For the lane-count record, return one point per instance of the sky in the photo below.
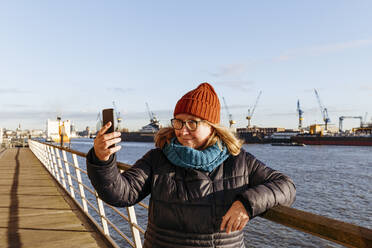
(74, 58)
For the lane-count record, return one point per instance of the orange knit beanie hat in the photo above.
(201, 102)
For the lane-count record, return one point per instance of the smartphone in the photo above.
(108, 115)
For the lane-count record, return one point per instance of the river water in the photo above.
(332, 181)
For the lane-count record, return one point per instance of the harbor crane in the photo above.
(323, 110)
(300, 112)
(365, 120)
(231, 121)
(153, 120)
(251, 112)
(118, 117)
(341, 119)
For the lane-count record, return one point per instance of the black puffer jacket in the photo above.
(186, 205)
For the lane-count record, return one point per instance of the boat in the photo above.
(265, 135)
(256, 135)
(137, 137)
(145, 134)
(283, 137)
(340, 140)
(251, 137)
(288, 144)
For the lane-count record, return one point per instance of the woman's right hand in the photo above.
(103, 141)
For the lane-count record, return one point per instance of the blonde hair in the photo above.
(219, 135)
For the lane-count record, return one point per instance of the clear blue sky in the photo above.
(73, 58)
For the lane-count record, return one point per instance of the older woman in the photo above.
(204, 187)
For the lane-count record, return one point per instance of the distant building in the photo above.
(320, 129)
(18, 131)
(36, 133)
(58, 128)
(9, 133)
(73, 131)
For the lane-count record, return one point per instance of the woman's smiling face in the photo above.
(193, 139)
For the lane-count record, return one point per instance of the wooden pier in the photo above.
(35, 211)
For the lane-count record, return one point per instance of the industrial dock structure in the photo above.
(315, 134)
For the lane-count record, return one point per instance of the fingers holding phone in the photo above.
(106, 139)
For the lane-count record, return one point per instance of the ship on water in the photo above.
(340, 140)
(324, 135)
(316, 134)
(361, 136)
(146, 133)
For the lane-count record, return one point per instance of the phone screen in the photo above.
(108, 115)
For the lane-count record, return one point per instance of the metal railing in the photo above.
(336, 231)
(63, 165)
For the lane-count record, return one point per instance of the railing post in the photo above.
(29, 144)
(54, 163)
(81, 187)
(39, 151)
(49, 161)
(60, 168)
(67, 166)
(42, 155)
(102, 214)
(45, 157)
(135, 232)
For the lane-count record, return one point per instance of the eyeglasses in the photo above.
(192, 125)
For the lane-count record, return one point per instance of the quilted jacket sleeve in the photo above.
(120, 189)
(267, 187)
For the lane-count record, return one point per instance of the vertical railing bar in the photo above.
(54, 162)
(60, 167)
(101, 211)
(32, 146)
(36, 147)
(39, 148)
(49, 161)
(67, 166)
(42, 153)
(78, 175)
(135, 233)
(45, 157)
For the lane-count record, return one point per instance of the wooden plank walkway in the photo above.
(33, 209)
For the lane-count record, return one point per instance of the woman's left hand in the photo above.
(235, 219)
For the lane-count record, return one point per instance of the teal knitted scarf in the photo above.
(205, 160)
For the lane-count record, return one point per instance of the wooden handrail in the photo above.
(343, 233)
(346, 234)
(122, 166)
